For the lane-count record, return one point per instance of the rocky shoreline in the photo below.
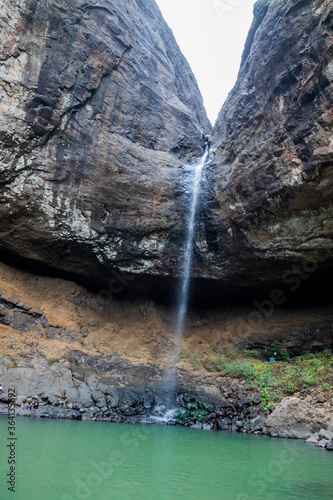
(73, 389)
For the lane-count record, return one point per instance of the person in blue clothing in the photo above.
(0, 388)
(29, 404)
(36, 404)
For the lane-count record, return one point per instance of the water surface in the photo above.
(66, 460)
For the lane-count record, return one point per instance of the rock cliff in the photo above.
(272, 184)
(99, 111)
(99, 108)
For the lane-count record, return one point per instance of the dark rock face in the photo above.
(98, 111)
(298, 339)
(98, 105)
(271, 205)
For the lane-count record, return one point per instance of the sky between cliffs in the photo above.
(211, 35)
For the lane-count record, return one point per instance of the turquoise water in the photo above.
(67, 460)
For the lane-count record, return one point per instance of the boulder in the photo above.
(313, 439)
(255, 425)
(325, 435)
(294, 418)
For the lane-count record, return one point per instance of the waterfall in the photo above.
(165, 411)
(186, 264)
(188, 252)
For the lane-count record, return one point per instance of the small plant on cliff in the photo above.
(239, 369)
(252, 353)
(189, 157)
(264, 395)
(190, 356)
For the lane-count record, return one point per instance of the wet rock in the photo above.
(322, 443)
(241, 403)
(256, 424)
(329, 446)
(224, 424)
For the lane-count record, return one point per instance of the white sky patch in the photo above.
(211, 35)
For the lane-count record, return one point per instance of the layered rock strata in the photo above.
(108, 361)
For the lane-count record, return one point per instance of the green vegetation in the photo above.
(275, 380)
(13, 361)
(190, 356)
(239, 369)
(195, 412)
(251, 353)
(189, 157)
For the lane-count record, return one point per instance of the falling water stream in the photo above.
(183, 299)
(188, 254)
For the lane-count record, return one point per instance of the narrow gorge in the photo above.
(101, 121)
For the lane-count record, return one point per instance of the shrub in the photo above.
(190, 356)
(264, 395)
(252, 353)
(266, 377)
(239, 369)
(312, 379)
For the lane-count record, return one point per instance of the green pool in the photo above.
(66, 460)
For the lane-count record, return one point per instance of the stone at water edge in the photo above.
(325, 435)
(294, 418)
(313, 439)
